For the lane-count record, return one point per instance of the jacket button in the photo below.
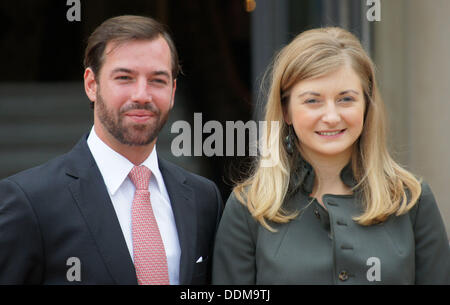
(316, 212)
(343, 275)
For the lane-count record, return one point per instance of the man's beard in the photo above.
(131, 134)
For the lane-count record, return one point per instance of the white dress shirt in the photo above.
(115, 169)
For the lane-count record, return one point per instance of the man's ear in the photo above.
(172, 100)
(90, 84)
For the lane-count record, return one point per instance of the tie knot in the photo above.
(140, 176)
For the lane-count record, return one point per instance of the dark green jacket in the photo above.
(327, 247)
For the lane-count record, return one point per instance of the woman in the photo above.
(335, 208)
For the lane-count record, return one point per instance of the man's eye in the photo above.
(123, 77)
(159, 81)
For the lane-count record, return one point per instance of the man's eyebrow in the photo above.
(129, 71)
(161, 72)
(123, 70)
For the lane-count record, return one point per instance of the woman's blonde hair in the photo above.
(386, 188)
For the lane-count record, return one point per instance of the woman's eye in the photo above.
(347, 99)
(311, 101)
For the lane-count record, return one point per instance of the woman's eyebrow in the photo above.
(309, 92)
(349, 91)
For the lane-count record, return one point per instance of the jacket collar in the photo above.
(182, 198)
(90, 194)
(302, 177)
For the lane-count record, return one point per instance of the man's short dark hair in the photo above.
(122, 29)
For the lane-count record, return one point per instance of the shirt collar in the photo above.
(114, 167)
(152, 163)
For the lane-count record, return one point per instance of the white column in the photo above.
(412, 54)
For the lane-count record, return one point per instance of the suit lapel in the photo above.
(182, 200)
(92, 198)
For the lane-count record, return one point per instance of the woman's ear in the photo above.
(286, 113)
(90, 84)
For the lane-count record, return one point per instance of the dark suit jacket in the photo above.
(62, 209)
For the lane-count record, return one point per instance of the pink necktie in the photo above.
(150, 259)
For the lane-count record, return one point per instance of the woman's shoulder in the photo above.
(236, 215)
(431, 241)
(426, 194)
(426, 191)
(426, 206)
(237, 201)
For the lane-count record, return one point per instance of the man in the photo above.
(111, 211)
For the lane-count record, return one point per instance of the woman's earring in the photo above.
(289, 141)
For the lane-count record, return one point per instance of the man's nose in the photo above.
(141, 93)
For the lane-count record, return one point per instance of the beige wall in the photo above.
(412, 53)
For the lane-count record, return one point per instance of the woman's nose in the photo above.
(331, 115)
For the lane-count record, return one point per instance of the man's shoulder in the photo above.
(45, 173)
(190, 177)
(49, 174)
